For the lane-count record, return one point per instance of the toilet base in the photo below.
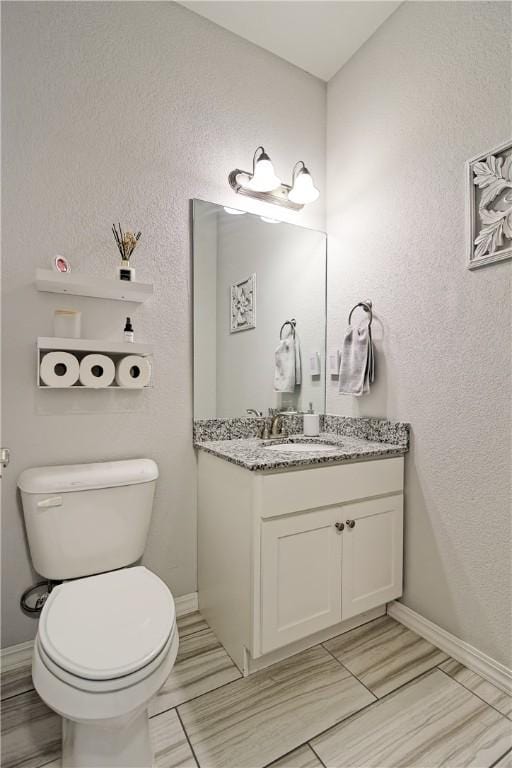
(117, 743)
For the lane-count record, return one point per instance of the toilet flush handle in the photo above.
(53, 501)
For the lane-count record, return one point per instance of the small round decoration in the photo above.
(61, 264)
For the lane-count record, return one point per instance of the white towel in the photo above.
(298, 360)
(288, 367)
(357, 367)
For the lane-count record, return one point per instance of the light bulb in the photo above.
(234, 211)
(303, 190)
(264, 178)
(269, 221)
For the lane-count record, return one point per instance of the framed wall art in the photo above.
(243, 305)
(489, 206)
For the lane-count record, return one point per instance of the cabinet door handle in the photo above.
(339, 526)
(351, 523)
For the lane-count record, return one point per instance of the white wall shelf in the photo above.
(101, 346)
(116, 350)
(96, 287)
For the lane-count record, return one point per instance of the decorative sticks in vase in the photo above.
(126, 243)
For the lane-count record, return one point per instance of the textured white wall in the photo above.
(430, 89)
(125, 111)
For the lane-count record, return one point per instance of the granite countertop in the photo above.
(250, 453)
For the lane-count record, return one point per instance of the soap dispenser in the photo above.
(311, 423)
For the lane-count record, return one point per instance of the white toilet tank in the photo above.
(83, 519)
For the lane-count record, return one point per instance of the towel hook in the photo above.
(367, 306)
(291, 323)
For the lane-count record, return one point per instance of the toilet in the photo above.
(107, 637)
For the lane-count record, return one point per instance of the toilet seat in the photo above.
(99, 701)
(106, 686)
(109, 631)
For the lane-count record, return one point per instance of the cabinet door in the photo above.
(300, 576)
(372, 554)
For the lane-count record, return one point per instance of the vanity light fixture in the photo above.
(263, 184)
(263, 178)
(303, 190)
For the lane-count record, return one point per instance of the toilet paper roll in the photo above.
(59, 369)
(133, 371)
(97, 371)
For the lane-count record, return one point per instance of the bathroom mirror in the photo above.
(252, 276)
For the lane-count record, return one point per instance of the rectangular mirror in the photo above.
(253, 277)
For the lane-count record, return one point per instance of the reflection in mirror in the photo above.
(259, 314)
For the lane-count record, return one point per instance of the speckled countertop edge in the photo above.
(374, 429)
(250, 453)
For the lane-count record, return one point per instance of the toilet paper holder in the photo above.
(80, 348)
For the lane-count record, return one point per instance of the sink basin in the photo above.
(302, 448)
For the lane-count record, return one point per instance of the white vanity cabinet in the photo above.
(372, 554)
(287, 559)
(301, 575)
(326, 565)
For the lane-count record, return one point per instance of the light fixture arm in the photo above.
(296, 169)
(255, 159)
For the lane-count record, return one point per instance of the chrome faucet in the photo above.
(262, 422)
(276, 425)
(270, 427)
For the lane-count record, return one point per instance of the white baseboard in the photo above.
(186, 604)
(19, 655)
(496, 673)
(16, 655)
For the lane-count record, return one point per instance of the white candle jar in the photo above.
(66, 323)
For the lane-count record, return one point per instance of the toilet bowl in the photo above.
(105, 645)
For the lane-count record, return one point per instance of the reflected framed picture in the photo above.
(489, 206)
(243, 304)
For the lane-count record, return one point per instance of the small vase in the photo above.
(125, 271)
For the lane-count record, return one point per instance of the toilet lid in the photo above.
(107, 626)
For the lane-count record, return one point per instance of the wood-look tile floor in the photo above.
(376, 696)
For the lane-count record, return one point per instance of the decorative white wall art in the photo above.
(243, 305)
(489, 206)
